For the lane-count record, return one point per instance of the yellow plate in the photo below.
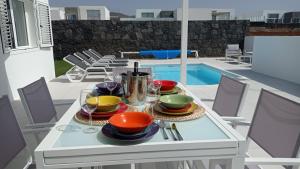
(107, 103)
(190, 110)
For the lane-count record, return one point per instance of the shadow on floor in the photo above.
(65, 80)
(279, 84)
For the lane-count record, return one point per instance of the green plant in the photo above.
(61, 67)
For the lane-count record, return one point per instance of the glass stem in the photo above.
(152, 111)
(110, 92)
(91, 120)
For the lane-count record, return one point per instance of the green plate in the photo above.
(176, 90)
(191, 110)
(175, 101)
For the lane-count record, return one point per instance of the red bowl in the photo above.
(166, 84)
(131, 122)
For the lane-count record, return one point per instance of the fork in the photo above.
(168, 126)
(162, 126)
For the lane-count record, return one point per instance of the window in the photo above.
(223, 16)
(147, 15)
(273, 16)
(6, 28)
(44, 25)
(71, 13)
(20, 23)
(71, 17)
(93, 14)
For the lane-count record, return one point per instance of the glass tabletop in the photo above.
(200, 129)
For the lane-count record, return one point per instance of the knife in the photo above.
(180, 138)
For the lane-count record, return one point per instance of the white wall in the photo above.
(58, 14)
(104, 12)
(277, 56)
(203, 13)
(248, 43)
(25, 66)
(138, 12)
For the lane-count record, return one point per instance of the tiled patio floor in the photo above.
(64, 92)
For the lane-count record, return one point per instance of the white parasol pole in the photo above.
(184, 40)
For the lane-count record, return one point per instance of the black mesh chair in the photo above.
(38, 104)
(81, 69)
(275, 128)
(12, 145)
(229, 99)
(91, 55)
(99, 63)
(99, 59)
(113, 57)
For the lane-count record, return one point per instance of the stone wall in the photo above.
(110, 37)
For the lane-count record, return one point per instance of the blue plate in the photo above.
(117, 93)
(130, 136)
(109, 131)
(101, 87)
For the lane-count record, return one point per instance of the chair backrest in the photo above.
(275, 126)
(37, 102)
(229, 96)
(96, 53)
(233, 47)
(90, 54)
(124, 70)
(76, 62)
(12, 141)
(84, 57)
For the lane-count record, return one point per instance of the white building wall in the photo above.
(107, 14)
(203, 13)
(277, 56)
(22, 67)
(58, 14)
(248, 43)
(138, 12)
(104, 12)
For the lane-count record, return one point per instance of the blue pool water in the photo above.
(197, 74)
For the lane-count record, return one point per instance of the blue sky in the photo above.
(241, 6)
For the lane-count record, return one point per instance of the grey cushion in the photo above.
(12, 141)
(229, 96)
(39, 102)
(276, 125)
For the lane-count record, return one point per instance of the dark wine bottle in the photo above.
(136, 68)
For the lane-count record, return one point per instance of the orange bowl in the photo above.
(131, 122)
(166, 84)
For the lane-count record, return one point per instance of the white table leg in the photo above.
(237, 163)
(132, 165)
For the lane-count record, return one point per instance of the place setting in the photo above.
(104, 110)
(130, 127)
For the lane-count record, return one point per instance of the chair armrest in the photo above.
(232, 119)
(35, 130)
(272, 161)
(41, 125)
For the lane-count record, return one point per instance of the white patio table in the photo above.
(208, 137)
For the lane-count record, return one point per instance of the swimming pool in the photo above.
(197, 74)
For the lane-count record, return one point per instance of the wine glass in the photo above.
(152, 97)
(110, 84)
(89, 103)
